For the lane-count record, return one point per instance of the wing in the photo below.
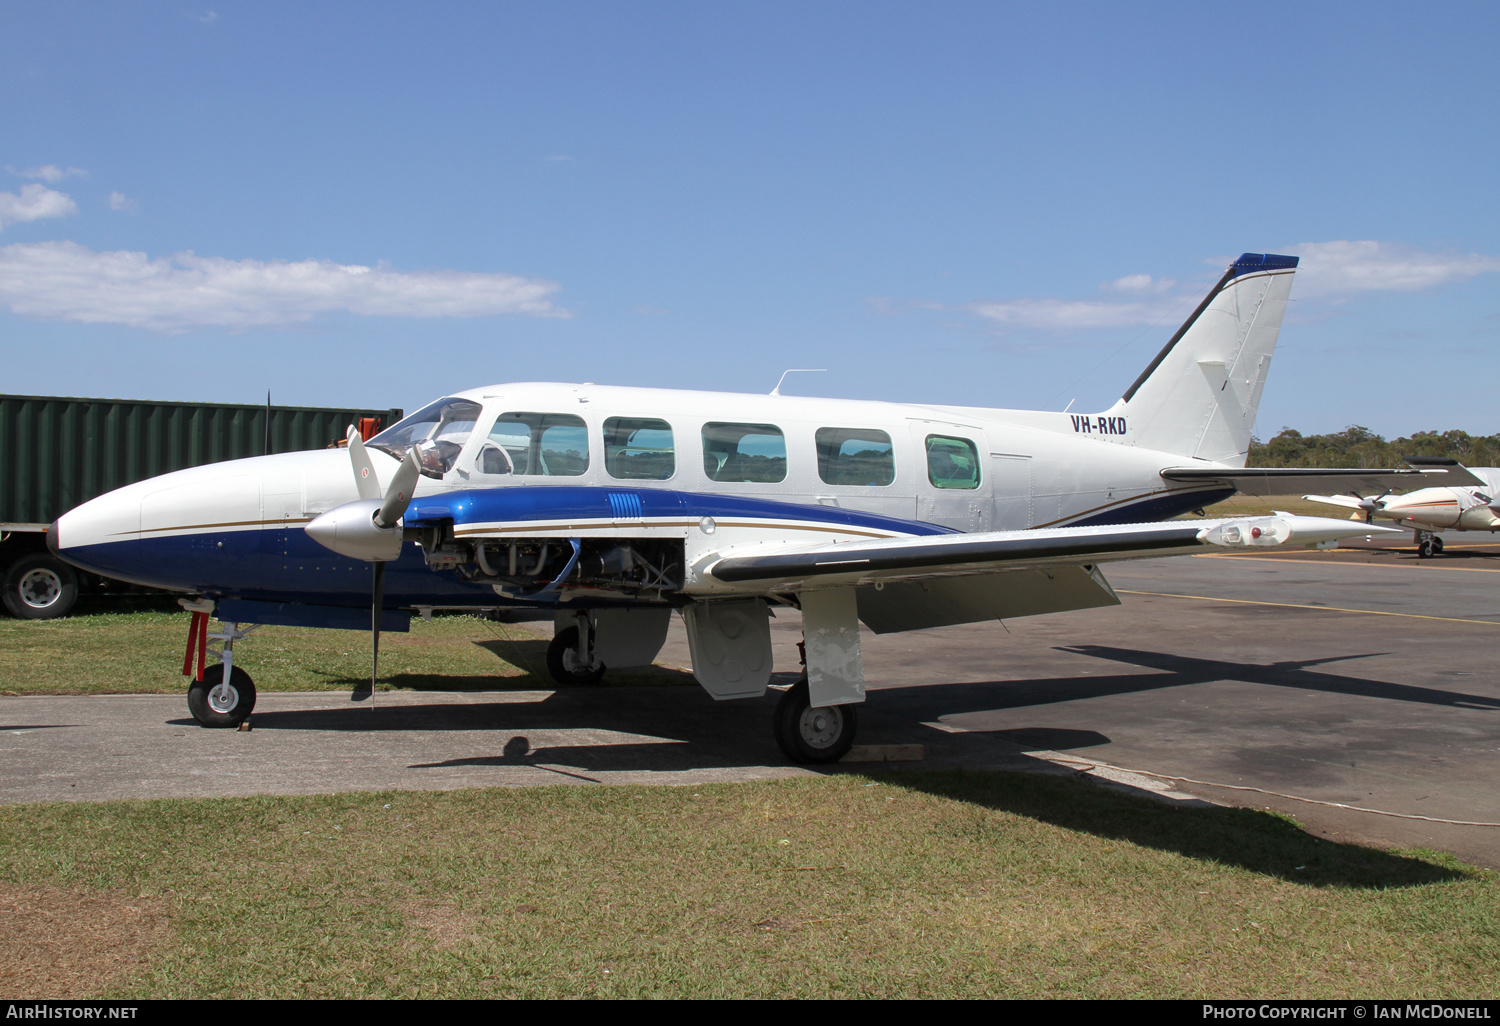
(912, 583)
(839, 564)
(1424, 473)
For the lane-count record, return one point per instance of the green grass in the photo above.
(1251, 505)
(905, 885)
(141, 652)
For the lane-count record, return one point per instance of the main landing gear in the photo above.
(808, 734)
(571, 659)
(1428, 544)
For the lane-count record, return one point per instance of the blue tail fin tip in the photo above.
(1249, 262)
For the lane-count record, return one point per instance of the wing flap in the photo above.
(944, 601)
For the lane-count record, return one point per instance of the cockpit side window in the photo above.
(437, 432)
(849, 456)
(639, 449)
(744, 452)
(543, 444)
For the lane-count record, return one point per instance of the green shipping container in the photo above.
(56, 453)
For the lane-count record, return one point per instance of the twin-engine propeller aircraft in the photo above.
(616, 506)
(1468, 503)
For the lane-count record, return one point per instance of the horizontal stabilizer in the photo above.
(1347, 501)
(1295, 480)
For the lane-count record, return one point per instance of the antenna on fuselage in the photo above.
(797, 370)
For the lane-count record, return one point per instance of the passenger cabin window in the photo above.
(437, 432)
(848, 456)
(952, 462)
(744, 452)
(543, 444)
(638, 449)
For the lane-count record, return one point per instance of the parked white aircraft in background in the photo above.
(1469, 503)
(615, 506)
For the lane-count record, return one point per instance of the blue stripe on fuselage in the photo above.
(285, 565)
(1156, 507)
(545, 505)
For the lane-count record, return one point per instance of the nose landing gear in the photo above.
(222, 695)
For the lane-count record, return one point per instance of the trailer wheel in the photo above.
(40, 587)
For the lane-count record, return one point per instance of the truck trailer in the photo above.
(57, 452)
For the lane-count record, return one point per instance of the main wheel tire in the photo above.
(1437, 546)
(808, 734)
(221, 710)
(1424, 550)
(40, 587)
(563, 665)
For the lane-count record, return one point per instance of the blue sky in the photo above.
(981, 204)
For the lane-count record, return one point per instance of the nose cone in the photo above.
(52, 539)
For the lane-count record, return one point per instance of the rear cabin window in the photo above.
(638, 449)
(849, 456)
(744, 452)
(543, 444)
(952, 462)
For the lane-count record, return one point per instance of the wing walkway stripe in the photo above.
(1294, 605)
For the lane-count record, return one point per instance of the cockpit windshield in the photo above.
(438, 432)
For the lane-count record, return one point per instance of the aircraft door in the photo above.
(1013, 486)
(953, 482)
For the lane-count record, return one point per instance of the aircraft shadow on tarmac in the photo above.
(1175, 671)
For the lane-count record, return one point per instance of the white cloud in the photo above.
(1064, 315)
(66, 281)
(1328, 271)
(123, 203)
(1332, 269)
(33, 203)
(1138, 283)
(49, 172)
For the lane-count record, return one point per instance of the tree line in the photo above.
(1357, 446)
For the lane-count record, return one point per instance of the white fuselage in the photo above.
(962, 469)
(1445, 509)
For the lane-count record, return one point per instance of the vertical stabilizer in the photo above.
(1199, 396)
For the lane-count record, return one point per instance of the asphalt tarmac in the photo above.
(1300, 682)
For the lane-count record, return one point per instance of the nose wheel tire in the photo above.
(564, 665)
(809, 734)
(214, 703)
(40, 587)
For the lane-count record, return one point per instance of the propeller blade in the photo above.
(398, 495)
(377, 607)
(364, 471)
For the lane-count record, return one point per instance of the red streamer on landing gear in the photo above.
(197, 638)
